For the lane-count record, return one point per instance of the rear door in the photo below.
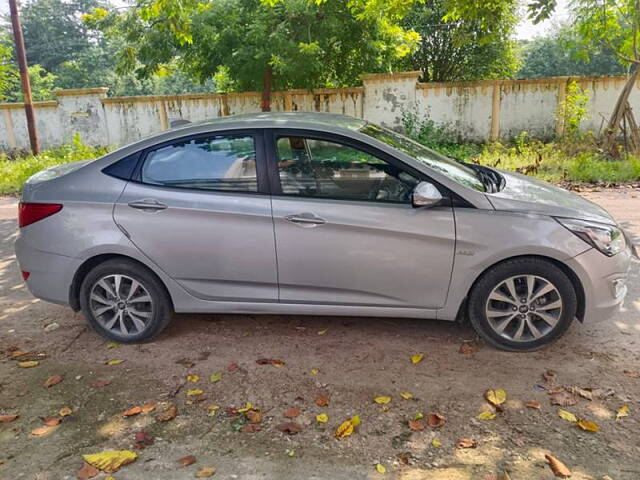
(199, 208)
(346, 232)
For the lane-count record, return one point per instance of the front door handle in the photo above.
(147, 204)
(305, 219)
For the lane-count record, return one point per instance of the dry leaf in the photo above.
(51, 421)
(322, 418)
(232, 367)
(194, 392)
(406, 395)
(382, 400)
(533, 404)
(344, 430)
(290, 428)
(588, 426)
(193, 378)
(28, 364)
(114, 362)
(416, 425)
(293, 412)
(100, 383)
(186, 461)
(436, 443)
(168, 414)
(314, 371)
(568, 416)
(148, 407)
(206, 472)
(549, 376)
(558, 468)
(323, 331)
(251, 428)
(270, 361)
(487, 415)
(42, 431)
(132, 411)
(215, 377)
(380, 469)
(65, 412)
(496, 397)
(113, 345)
(53, 380)
(466, 443)
(583, 392)
(417, 358)
(254, 416)
(87, 471)
(111, 460)
(632, 373)
(8, 418)
(322, 400)
(623, 411)
(435, 420)
(563, 399)
(142, 440)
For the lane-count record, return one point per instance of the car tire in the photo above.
(522, 304)
(136, 311)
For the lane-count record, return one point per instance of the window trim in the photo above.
(262, 176)
(271, 152)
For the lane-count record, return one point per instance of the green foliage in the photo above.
(574, 108)
(461, 44)
(8, 71)
(560, 53)
(14, 172)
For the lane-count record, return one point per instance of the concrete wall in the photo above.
(480, 111)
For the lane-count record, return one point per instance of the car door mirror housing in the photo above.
(425, 195)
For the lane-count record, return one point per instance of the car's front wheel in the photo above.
(124, 302)
(522, 304)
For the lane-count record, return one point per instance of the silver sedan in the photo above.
(298, 213)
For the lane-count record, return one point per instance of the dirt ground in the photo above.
(357, 359)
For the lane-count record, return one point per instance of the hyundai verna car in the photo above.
(300, 213)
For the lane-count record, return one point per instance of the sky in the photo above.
(525, 30)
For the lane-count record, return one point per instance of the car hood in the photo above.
(530, 195)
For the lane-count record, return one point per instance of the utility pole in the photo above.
(24, 76)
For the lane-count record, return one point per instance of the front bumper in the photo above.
(604, 281)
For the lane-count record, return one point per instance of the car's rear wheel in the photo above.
(522, 304)
(124, 302)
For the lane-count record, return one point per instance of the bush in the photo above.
(14, 172)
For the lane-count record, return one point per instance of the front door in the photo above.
(198, 209)
(346, 232)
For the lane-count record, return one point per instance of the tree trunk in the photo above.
(611, 132)
(267, 79)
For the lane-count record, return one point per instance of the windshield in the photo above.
(449, 167)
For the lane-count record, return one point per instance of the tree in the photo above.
(561, 53)
(8, 70)
(454, 48)
(261, 44)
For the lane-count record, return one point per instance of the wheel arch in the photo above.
(92, 262)
(575, 281)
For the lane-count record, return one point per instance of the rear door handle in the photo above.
(305, 219)
(147, 204)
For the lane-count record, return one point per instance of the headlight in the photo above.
(606, 238)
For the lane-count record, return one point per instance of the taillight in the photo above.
(29, 213)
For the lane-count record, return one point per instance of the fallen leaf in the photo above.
(322, 418)
(142, 440)
(292, 412)
(382, 400)
(186, 461)
(87, 471)
(53, 380)
(212, 409)
(416, 425)
(322, 400)
(194, 392)
(186, 362)
(588, 426)
(8, 418)
(28, 364)
(435, 420)
(487, 415)
(323, 331)
(468, 348)
(215, 377)
(533, 404)
(496, 397)
(42, 431)
(406, 395)
(247, 406)
(417, 358)
(100, 383)
(254, 416)
(148, 407)
(583, 392)
(290, 452)
(251, 428)
(132, 411)
(168, 414)
(65, 412)
(344, 430)
(623, 411)
(568, 416)
(418, 416)
(206, 472)
(290, 428)
(232, 367)
(436, 443)
(355, 420)
(270, 361)
(380, 469)
(558, 468)
(111, 460)
(314, 371)
(466, 443)
(51, 421)
(549, 376)
(563, 399)
(114, 362)
(632, 373)
(193, 378)
(113, 345)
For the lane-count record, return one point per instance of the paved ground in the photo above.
(356, 359)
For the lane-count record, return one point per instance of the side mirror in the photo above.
(425, 195)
